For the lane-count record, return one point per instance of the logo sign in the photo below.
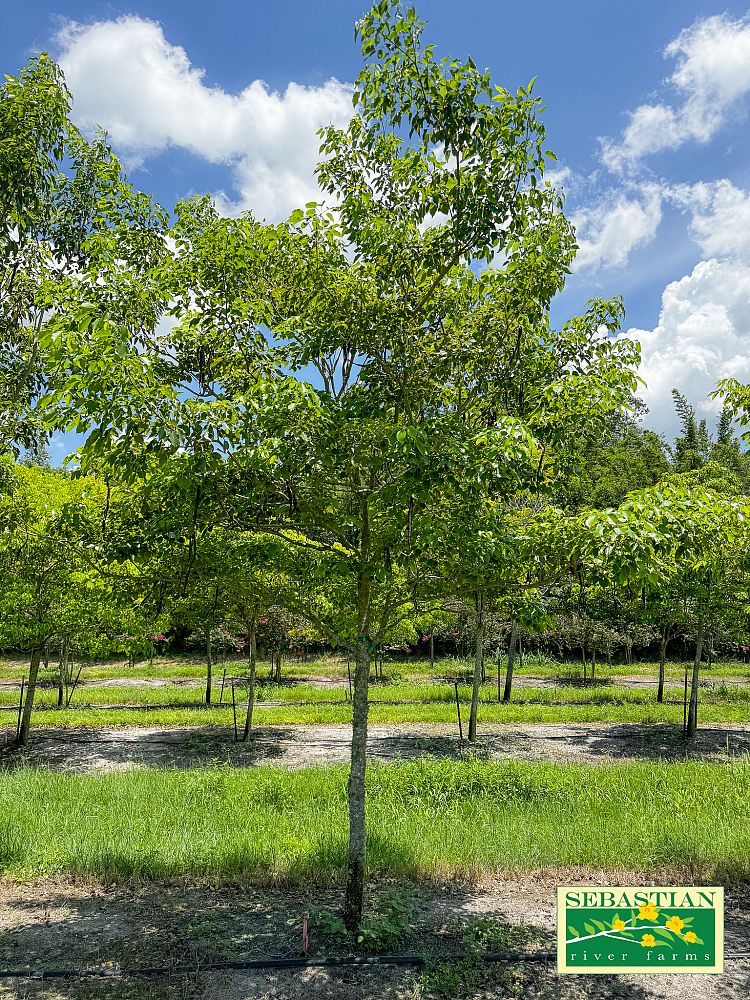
(662, 928)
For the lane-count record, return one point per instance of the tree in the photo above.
(60, 197)
(437, 171)
(49, 591)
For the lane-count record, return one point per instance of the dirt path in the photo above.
(54, 924)
(114, 749)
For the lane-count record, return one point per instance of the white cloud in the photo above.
(711, 75)
(126, 77)
(720, 222)
(703, 334)
(609, 231)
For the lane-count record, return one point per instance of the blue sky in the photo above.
(647, 111)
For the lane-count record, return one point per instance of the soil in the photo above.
(59, 924)
(123, 748)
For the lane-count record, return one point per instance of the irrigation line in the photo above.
(491, 958)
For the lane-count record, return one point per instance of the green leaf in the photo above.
(664, 932)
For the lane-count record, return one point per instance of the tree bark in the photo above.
(692, 722)
(512, 647)
(478, 661)
(357, 856)
(209, 666)
(662, 661)
(253, 654)
(28, 705)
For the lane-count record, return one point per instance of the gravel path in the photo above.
(124, 748)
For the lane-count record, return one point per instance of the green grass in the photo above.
(386, 696)
(438, 712)
(425, 818)
(181, 667)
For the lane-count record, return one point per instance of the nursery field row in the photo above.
(335, 668)
(426, 819)
(438, 712)
(193, 696)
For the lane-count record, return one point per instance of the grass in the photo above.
(426, 693)
(340, 714)
(452, 668)
(426, 818)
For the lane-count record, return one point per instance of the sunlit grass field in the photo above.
(425, 713)
(405, 697)
(426, 818)
(335, 668)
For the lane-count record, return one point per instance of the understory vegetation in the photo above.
(428, 818)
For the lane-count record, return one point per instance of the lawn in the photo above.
(426, 818)
(428, 702)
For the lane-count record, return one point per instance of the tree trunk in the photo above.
(28, 705)
(357, 857)
(209, 666)
(593, 664)
(478, 661)
(253, 654)
(692, 722)
(512, 645)
(662, 661)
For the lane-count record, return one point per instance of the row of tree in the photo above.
(362, 411)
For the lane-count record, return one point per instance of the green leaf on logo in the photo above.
(664, 932)
(589, 929)
(572, 931)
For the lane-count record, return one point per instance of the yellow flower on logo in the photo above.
(690, 937)
(618, 925)
(675, 924)
(648, 912)
(648, 941)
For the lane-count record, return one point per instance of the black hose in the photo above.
(517, 958)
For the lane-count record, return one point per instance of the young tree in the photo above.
(438, 170)
(49, 592)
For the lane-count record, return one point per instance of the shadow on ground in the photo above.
(127, 747)
(48, 924)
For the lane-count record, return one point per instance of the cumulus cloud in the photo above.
(127, 78)
(610, 230)
(703, 334)
(712, 73)
(720, 222)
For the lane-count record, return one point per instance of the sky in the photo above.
(647, 111)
